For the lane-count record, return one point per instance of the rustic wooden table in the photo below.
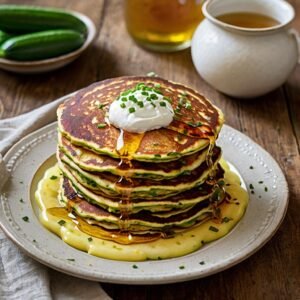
(273, 121)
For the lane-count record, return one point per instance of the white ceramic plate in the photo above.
(265, 212)
(50, 64)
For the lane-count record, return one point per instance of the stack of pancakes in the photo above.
(158, 184)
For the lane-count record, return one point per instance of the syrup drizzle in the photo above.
(127, 144)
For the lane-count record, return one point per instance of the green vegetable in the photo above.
(41, 45)
(26, 19)
(4, 36)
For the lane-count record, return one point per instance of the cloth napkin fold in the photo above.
(20, 276)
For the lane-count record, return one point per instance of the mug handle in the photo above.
(296, 35)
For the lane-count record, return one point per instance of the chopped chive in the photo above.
(252, 192)
(153, 193)
(260, 182)
(135, 267)
(53, 177)
(181, 267)
(186, 173)
(266, 189)
(70, 259)
(188, 106)
(140, 85)
(101, 125)
(131, 110)
(34, 241)
(226, 220)
(197, 124)
(162, 103)
(90, 239)
(251, 167)
(25, 219)
(251, 186)
(148, 99)
(100, 106)
(144, 93)
(21, 182)
(153, 104)
(202, 263)
(123, 105)
(157, 155)
(61, 222)
(124, 99)
(153, 97)
(214, 229)
(172, 154)
(21, 200)
(140, 104)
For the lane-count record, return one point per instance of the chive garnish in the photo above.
(162, 103)
(25, 219)
(251, 186)
(131, 110)
(260, 182)
(100, 106)
(135, 267)
(53, 177)
(181, 267)
(61, 222)
(90, 239)
(153, 97)
(123, 105)
(101, 125)
(266, 189)
(202, 263)
(172, 154)
(124, 99)
(251, 167)
(70, 259)
(144, 93)
(153, 104)
(157, 155)
(214, 229)
(140, 104)
(197, 124)
(21, 200)
(226, 220)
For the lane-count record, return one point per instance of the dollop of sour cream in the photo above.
(141, 109)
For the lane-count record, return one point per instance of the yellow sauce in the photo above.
(182, 244)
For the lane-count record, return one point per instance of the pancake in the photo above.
(196, 123)
(182, 200)
(108, 184)
(90, 161)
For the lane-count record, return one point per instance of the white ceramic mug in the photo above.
(245, 62)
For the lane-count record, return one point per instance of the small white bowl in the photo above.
(50, 64)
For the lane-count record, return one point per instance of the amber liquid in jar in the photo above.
(163, 25)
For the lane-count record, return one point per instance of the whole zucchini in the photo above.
(4, 36)
(41, 45)
(21, 19)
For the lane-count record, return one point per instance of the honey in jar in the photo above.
(163, 25)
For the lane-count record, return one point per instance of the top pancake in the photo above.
(195, 125)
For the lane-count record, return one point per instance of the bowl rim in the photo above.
(91, 34)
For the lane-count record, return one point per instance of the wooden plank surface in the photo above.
(273, 121)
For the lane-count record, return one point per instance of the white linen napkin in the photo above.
(21, 277)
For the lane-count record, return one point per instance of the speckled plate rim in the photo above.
(263, 217)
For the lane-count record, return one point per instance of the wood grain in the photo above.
(272, 121)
